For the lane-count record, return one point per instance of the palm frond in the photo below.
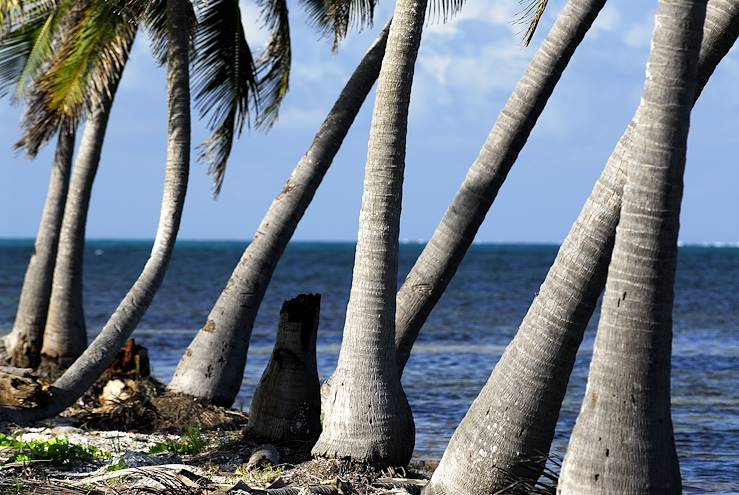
(530, 15)
(336, 17)
(27, 36)
(443, 10)
(85, 70)
(225, 81)
(153, 14)
(273, 66)
(15, 13)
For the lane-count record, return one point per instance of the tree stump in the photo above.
(287, 402)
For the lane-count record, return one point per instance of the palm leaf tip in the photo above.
(443, 10)
(273, 65)
(336, 17)
(530, 15)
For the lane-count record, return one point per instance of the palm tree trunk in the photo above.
(368, 417)
(442, 255)
(23, 345)
(623, 440)
(526, 389)
(98, 356)
(212, 368)
(65, 337)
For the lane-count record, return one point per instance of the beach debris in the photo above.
(132, 361)
(20, 387)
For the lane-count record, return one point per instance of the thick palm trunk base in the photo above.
(24, 343)
(368, 418)
(623, 440)
(287, 402)
(228, 329)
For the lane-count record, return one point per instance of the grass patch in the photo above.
(55, 451)
(191, 443)
(261, 476)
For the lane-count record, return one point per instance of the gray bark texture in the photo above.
(212, 368)
(98, 356)
(24, 343)
(287, 401)
(368, 417)
(623, 439)
(65, 335)
(526, 389)
(438, 262)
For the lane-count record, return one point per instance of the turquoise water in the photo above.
(461, 341)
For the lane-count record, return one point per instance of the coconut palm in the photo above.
(526, 389)
(623, 440)
(23, 344)
(213, 365)
(440, 258)
(65, 336)
(369, 418)
(85, 370)
(31, 36)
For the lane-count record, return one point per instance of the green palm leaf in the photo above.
(336, 17)
(89, 62)
(273, 66)
(225, 81)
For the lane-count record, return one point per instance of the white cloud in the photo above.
(300, 118)
(640, 34)
(256, 35)
(479, 69)
(500, 13)
(608, 19)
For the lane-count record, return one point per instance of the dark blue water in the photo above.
(461, 341)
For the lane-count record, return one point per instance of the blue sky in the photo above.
(466, 70)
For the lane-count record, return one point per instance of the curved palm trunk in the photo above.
(623, 440)
(526, 389)
(441, 257)
(23, 344)
(212, 368)
(368, 417)
(65, 336)
(98, 356)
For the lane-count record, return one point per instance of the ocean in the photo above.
(460, 343)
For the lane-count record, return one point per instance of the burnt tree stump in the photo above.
(287, 401)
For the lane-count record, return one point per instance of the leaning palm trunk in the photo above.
(441, 257)
(368, 418)
(98, 356)
(23, 345)
(212, 368)
(623, 440)
(65, 337)
(526, 389)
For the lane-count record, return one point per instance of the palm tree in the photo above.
(213, 365)
(442, 255)
(65, 336)
(31, 36)
(368, 416)
(85, 370)
(623, 440)
(23, 344)
(526, 389)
